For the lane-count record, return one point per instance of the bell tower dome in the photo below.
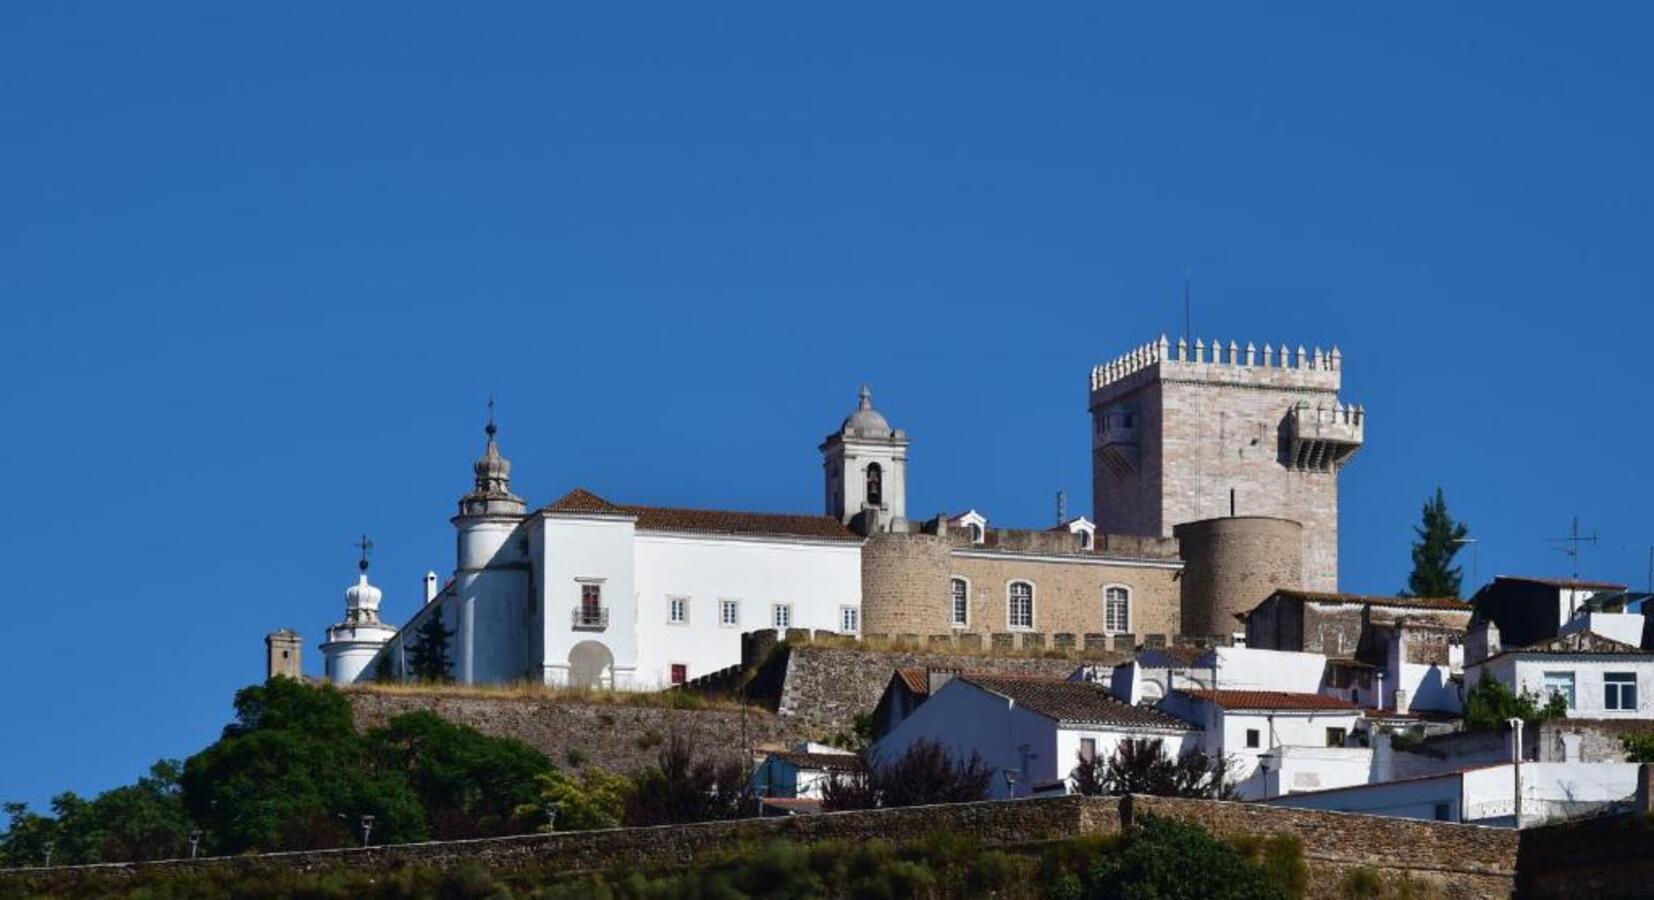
(353, 643)
(865, 465)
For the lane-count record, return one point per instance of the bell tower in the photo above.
(865, 465)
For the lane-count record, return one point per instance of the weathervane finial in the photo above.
(490, 429)
(366, 546)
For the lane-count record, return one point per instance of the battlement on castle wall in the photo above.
(1249, 366)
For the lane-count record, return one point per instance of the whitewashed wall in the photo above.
(816, 577)
(575, 548)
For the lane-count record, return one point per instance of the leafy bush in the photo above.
(1639, 748)
(1142, 766)
(1165, 860)
(1490, 705)
(592, 799)
(684, 787)
(922, 776)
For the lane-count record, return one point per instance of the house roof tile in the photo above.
(829, 762)
(1565, 583)
(1578, 643)
(1271, 700)
(712, 521)
(1074, 702)
(1449, 603)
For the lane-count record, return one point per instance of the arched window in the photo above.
(875, 484)
(1020, 609)
(975, 532)
(959, 595)
(1116, 609)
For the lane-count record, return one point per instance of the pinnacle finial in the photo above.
(366, 546)
(866, 398)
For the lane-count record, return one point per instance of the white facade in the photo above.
(1627, 628)
(1244, 668)
(1487, 795)
(965, 719)
(353, 644)
(1247, 737)
(1596, 684)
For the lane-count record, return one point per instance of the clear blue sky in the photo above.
(261, 267)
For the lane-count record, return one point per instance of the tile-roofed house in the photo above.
(1599, 677)
(1530, 610)
(802, 771)
(1448, 603)
(663, 518)
(1075, 702)
(1276, 741)
(1035, 728)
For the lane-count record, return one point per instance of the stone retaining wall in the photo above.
(1455, 861)
(610, 735)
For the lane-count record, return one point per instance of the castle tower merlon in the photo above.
(1301, 370)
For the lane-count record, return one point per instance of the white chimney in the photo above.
(430, 586)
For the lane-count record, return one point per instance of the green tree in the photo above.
(1639, 748)
(1489, 706)
(139, 821)
(1438, 538)
(428, 657)
(593, 798)
(925, 774)
(292, 774)
(686, 787)
(468, 783)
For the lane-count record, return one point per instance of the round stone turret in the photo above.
(353, 643)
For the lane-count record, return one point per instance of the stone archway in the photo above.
(591, 665)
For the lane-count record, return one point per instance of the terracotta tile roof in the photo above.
(713, 521)
(1074, 702)
(916, 679)
(1271, 700)
(1578, 643)
(1565, 583)
(830, 762)
(1371, 600)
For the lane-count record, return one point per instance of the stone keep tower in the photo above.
(1182, 433)
(865, 464)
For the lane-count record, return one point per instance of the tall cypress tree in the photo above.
(428, 657)
(1439, 539)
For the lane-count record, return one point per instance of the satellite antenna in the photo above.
(1573, 540)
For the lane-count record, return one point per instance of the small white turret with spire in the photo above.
(353, 643)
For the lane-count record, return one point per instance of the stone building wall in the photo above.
(825, 688)
(906, 584)
(1233, 564)
(1202, 429)
(1454, 862)
(612, 736)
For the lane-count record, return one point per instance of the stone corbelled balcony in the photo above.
(1323, 438)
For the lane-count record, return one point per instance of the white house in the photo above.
(1029, 731)
(1600, 678)
(1487, 795)
(1252, 729)
(800, 773)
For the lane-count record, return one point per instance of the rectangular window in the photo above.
(1252, 737)
(1560, 683)
(961, 591)
(591, 599)
(729, 613)
(1335, 737)
(677, 610)
(1619, 690)
(1116, 610)
(1021, 611)
(1088, 749)
(680, 674)
(781, 615)
(849, 620)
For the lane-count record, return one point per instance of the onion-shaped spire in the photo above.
(492, 491)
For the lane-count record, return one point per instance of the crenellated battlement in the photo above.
(1215, 355)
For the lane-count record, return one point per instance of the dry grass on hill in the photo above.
(525, 690)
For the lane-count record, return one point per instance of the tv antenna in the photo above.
(1573, 540)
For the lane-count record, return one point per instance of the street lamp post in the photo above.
(195, 842)
(367, 829)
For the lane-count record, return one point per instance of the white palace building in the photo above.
(590, 592)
